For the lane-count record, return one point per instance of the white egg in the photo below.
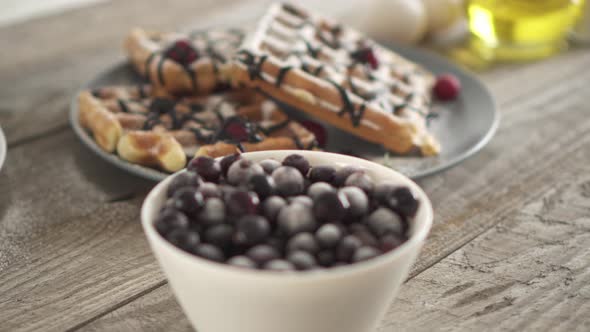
(441, 14)
(402, 21)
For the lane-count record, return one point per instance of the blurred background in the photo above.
(475, 33)
(14, 11)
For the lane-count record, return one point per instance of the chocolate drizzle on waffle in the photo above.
(193, 46)
(209, 120)
(345, 60)
(282, 72)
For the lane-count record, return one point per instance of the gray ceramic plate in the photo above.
(2, 148)
(463, 126)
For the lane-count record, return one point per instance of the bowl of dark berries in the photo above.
(286, 241)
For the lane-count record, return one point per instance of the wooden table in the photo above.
(510, 248)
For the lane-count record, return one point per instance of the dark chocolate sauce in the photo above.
(313, 52)
(123, 106)
(148, 65)
(161, 70)
(348, 107)
(318, 70)
(253, 64)
(281, 76)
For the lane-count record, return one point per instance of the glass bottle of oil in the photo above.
(520, 29)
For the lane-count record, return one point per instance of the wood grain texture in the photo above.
(50, 181)
(531, 272)
(73, 256)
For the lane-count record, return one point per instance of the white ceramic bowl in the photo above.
(221, 298)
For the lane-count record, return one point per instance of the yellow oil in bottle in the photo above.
(520, 29)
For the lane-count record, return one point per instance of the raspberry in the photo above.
(318, 130)
(447, 87)
(366, 55)
(237, 131)
(372, 59)
(182, 52)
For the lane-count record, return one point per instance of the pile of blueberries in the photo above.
(283, 216)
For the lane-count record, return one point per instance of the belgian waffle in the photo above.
(339, 76)
(162, 131)
(183, 63)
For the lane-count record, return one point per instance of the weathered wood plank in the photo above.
(468, 199)
(76, 269)
(48, 182)
(529, 273)
(155, 311)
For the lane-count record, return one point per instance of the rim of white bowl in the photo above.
(416, 238)
(2, 148)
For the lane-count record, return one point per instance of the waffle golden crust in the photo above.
(155, 131)
(180, 63)
(337, 75)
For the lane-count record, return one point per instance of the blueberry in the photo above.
(209, 252)
(328, 235)
(220, 236)
(191, 240)
(276, 242)
(262, 253)
(242, 261)
(363, 233)
(269, 165)
(188, 200)
(271, 207)
(330, 206)
(227, 190)
(404, 202)
(322, 174)
(289, 181)
(242, 202)
(383, 192)
(239, 173)
(213, 212)
(364, 253)
(399, 199)
(360, 180)
(318, 188)
(301, 199)
(347, 247)
(210, 190)
(297, 161)
(390, 242)
(306, 184)
(184, 179)
(303, 242)
(279, 265)
(262, 184)
(302, 260)
(169, 219)
(176, 237)
(206, 167)
(384, 221)
(251, 230)
(359, 202)
(227, 161)
(342, 174)
(296, 218)
(326, 258)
